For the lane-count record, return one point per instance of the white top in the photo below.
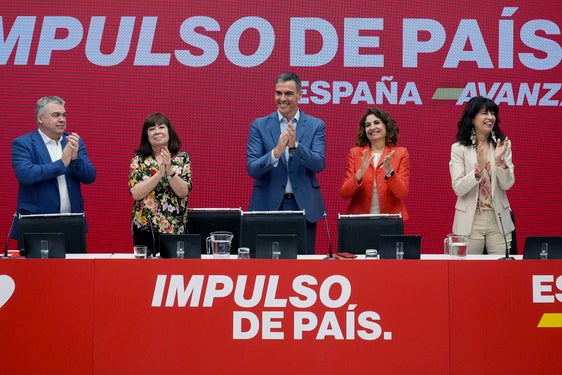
(375, 208)
(55, 151)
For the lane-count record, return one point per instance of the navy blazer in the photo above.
(309, 159)
(38, 191)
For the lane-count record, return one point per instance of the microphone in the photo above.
(330, 252)
(153, 239)
(8, 237)
(507, 256)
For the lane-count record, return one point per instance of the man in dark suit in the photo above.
(286, 150)
(50, 164)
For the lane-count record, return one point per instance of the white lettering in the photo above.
(265, 47)
(208, 46)
(20, 34)
(329, 47)
(252, 322)
(271, 299)
(305, 321)
(300, 286)
(367, 320)
(176, 289)
(218, 286)
(271, 320)
(122, 43)
(329, 327)
(144, 55)
(468, 32)
(352, 42)
(345, 291)
(256, 293)
(412, 46)
(48, 41)
(540, 288)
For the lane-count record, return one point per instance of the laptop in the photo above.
(387, 245)
(287, 246)
(32, 244)
(191, 245)
(533, 244)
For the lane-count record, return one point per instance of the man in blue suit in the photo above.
(286, 150)
(50, 164)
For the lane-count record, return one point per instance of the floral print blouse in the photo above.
(485, 191)
(165, 210)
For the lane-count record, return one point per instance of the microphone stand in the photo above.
(6, 255)
(507, 256)
(330, 251)
(153, 239)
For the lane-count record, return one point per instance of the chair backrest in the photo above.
(359, 232)
(203, 221)
(533, 247)
(72, 225)
(254, 223)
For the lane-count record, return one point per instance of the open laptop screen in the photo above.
(387, 246)
(287, 246)
(32, 244)
(533, 247)
(191, 245)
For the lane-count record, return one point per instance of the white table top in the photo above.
(303, 257)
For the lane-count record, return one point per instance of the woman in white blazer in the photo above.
(481, 173)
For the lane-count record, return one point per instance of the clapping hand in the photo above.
(386, 163)
(481, 156)
(70, 151)
(165, 162)
(292, 133)
(366, 159)
(501, 148)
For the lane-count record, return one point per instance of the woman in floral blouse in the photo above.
(159, 182)
(481, 173)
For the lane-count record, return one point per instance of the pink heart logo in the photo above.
(7, 287)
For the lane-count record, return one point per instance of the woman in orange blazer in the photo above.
(375, 166)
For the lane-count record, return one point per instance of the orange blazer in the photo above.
(391, 192)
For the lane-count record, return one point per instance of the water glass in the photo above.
(544, 250)
(399, 250)
(44, 249)
(371, 254)
(180, 249)
(140, 251)
(457, 246)
(243, 253)
(275, 252)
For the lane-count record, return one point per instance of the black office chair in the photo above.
(254, 223)
(359, 232)
(203, 221)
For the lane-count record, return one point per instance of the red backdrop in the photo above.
(211, 66)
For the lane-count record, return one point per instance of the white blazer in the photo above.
(465, 186)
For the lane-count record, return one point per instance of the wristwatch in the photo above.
(389, 174)
(292, 150)
(171, 176)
